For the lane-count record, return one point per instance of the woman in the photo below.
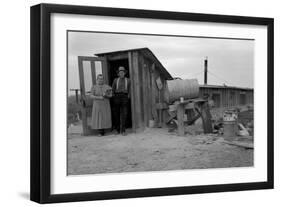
(101, 114)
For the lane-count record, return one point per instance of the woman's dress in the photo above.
(101, 113)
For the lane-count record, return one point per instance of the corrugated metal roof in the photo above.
(148, 53)
(225, 87)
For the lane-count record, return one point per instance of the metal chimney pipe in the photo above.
(206, 71)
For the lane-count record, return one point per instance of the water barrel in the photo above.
(188, 88)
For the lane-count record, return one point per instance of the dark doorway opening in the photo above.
(113, 66)
(242, 99)
(217, 99)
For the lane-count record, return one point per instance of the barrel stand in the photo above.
(202, 108)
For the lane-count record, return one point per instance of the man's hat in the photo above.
(121, 68)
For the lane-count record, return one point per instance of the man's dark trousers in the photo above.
(120, 101)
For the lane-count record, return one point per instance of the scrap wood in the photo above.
(242, 130)
(190, 122)
(170, 118)
(240, 144)
(206, 118)
(247, 138)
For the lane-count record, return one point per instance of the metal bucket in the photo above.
(230, 127)
(229, 130)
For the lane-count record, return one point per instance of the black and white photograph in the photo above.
(131, 103)
(151, 102)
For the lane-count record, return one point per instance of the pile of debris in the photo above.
(242, 123)
(235, 126)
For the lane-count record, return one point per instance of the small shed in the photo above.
(148, 80)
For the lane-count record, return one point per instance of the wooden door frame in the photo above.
(83, 91)
(132, 90)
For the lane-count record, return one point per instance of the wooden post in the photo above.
(145, 91)
(159, 111)
(93, 72)
(180, 117)
(138, 117)
(206, 118)
(153, 94)
(83, 96)
(132, 90)
(76, 94)
(206, 71)
(149, 93)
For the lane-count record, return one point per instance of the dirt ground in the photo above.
(155, 149)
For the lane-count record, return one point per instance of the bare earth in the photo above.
(153, 150)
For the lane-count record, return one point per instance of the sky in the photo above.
(230, 61)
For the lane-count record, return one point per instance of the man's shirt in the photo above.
(121, 85)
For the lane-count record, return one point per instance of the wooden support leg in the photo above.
(206, 118)
(160, 118)
(180, 117)
(76, 96)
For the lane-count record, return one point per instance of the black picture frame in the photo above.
(41, 98)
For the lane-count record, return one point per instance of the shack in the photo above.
(228, 96)
(148, 80)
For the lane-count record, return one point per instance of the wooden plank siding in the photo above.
(132, 89)
(153, 93)
(230, 97)
(118, 56)
(141, 89)
(144, 90)
(149, 94)
(137, 91)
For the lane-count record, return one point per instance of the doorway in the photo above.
(217, 99)
(242, 99)
(113, 66)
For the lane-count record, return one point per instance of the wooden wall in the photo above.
(229, 97)
(145, 96)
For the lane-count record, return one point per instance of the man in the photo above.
(121, 92)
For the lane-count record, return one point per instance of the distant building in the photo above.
(228, 96)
